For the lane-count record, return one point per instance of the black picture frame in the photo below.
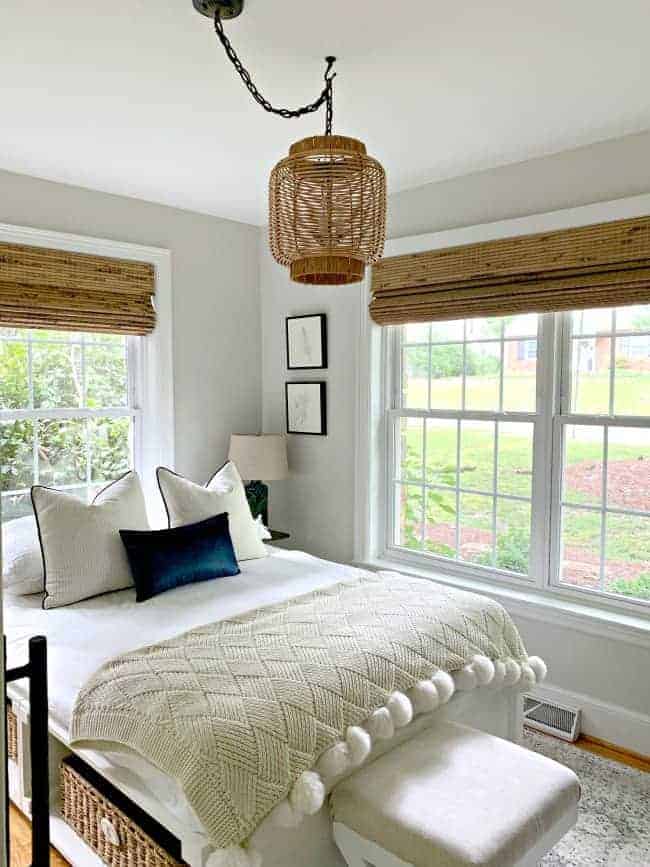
(322, 399)
(322, 320)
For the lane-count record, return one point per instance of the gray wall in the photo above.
(217, 355)
(317, 503)
(609, 170)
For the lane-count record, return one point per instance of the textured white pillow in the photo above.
(22, 562)
(83, 554)
(187, 502)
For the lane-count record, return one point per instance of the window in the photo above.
(67, 412)
(526, 350)
(519, 448)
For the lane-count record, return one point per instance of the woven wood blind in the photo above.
(43, 288)
(604, 265)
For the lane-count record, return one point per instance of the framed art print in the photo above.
(306, 408)
(307, 342)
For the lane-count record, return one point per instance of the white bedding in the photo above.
(83, 636)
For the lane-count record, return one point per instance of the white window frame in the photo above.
(151, 356)
(563, 417)
(538, 564)
(373, 434)
(130, 410)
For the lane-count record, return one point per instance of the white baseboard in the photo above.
(624, 728)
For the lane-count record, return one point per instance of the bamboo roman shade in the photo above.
(43, 288)
(603, 265)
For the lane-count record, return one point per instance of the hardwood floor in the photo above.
(21, 838)
(21, 842)
(616, 754)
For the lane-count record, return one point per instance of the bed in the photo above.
(83, 636)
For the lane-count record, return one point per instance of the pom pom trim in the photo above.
(445, 685)
(380, 724)
(400, 709)
(424, 696)
(234, 856)
(308, 793)
(359, 744)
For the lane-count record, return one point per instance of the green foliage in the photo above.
(14, 389)
(481, 365)
(438, 503)
(439, 548)
(417, 361)
(639, 587)
(513, 549)
(411, 517)
(642, 320)
(59, 447)
(447, 361)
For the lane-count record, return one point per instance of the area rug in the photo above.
(614, 816)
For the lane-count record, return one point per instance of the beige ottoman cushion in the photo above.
(454, 796)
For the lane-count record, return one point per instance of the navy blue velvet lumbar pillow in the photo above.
(163, 559)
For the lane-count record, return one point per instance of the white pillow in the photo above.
(83, 554)
(187, 502)
(22, 563)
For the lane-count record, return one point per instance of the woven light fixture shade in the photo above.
(327, 210)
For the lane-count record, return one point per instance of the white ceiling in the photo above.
(136, 96)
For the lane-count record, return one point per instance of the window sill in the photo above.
(536, 604)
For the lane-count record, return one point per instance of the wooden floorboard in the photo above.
(611, 751)
(21, 842)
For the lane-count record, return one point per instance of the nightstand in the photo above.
(277, 536)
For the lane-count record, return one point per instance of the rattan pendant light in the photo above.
(327, 198)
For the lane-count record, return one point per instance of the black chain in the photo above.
(324, 98)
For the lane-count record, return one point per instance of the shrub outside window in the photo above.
(67, 413)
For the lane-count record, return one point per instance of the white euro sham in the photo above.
(186, 502)
(83, 555)
(22, 563)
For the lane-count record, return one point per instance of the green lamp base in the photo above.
(257, 494)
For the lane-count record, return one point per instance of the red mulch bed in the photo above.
(628, 487)
(628, 482)
(580, 566)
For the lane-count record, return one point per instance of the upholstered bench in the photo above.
(453, 797)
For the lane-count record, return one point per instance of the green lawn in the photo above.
(476, 455)
(628, 537)
(632, 393)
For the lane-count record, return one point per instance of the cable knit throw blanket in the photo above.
(254, 715)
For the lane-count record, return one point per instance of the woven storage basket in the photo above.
(12, 735)
(115, 833)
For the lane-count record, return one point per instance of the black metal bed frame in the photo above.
(36, 670)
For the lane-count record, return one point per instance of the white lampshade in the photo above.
(259, 456)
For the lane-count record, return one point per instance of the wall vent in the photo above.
(552, 718)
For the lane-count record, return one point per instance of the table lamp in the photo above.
(257, 457)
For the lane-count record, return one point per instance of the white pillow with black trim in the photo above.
(186, 503)
(83, 554)
(22, 563)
